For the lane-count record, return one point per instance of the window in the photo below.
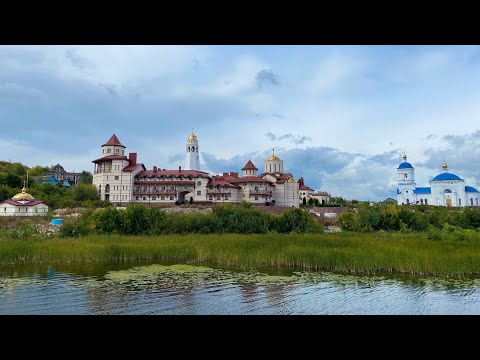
(107, 188)
(471, 202)
(406, 191)
(256, 197)
(116, 151)
(256, 187)
(210, 197)
(109, 151)
(162, 197)
(137, 197)
(144, 198)
(459, 201)
(199, 183)
(172, 188)
(154, 198)
(426, 203)
(154, 188)
(103, 151)
(164, 187)
(137, 188)
(171, 197)
(226, 197)
(199, 193)
(218, 197)
(188, 148)
(421, 201)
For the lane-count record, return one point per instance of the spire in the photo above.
(273, 151)
(404, 155)
(24, 189)
(113, 141)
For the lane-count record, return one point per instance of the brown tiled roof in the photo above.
(133, 167)
(214, 181)
(165, 182)
(176, 173)
(17, 203)
(304, 187)
(249, 166)
(113, 141)
(320, 193)
(283, 178)
(249, 179)
(111, 157)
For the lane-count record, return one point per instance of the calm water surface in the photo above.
(146, 288)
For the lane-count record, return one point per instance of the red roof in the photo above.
(113, 141)
(176, 173)
(283, 177)
(249, 179)
(133, 167)
(220, 180)
(111, 157)
(304, 187)
(17, 203)
(249, 166)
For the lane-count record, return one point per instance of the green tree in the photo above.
(13, 180)
(86, 177)
(82, 192)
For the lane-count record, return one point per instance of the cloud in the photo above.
(266, 78)
(295, 139)
(270, 136)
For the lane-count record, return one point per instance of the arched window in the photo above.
(107, 188)
(188, 148)
(275, 167)
(421, 201)
(408, 201)
(197, 148)
(109, 151)
(426, 202)
(99, 189)
(476, 201)
(270, 167)
(117, 151)
(459, 201)
(471, 202)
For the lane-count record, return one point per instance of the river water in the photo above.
(169, 288)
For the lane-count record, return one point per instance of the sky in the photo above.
(339, 116)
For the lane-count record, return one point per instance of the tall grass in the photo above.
(346, 252)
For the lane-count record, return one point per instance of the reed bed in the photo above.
(351, 252)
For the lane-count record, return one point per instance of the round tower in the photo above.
(406, 182)
(273, 164)
(192, 157)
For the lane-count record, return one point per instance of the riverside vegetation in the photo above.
(417, 240)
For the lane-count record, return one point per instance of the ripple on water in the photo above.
(185, 289)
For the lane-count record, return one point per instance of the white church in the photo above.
(122, 180)
(446, 189)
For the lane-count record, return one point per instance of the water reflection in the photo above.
(165, 289)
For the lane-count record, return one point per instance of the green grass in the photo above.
(410, 253)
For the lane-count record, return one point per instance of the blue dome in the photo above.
(446, 176)
(405, 165)
(470, 189)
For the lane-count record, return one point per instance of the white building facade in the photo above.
(122, 180)
(23, 204)
(446, 189)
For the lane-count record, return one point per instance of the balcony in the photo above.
(155, 192)
(219, 191)
(261, 192)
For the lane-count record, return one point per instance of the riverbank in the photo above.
(349, 252)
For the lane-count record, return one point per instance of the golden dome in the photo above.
(291, 180)
(273, 157)
(192, 137)
(404, 156)
(444, 166)
(23, 195)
